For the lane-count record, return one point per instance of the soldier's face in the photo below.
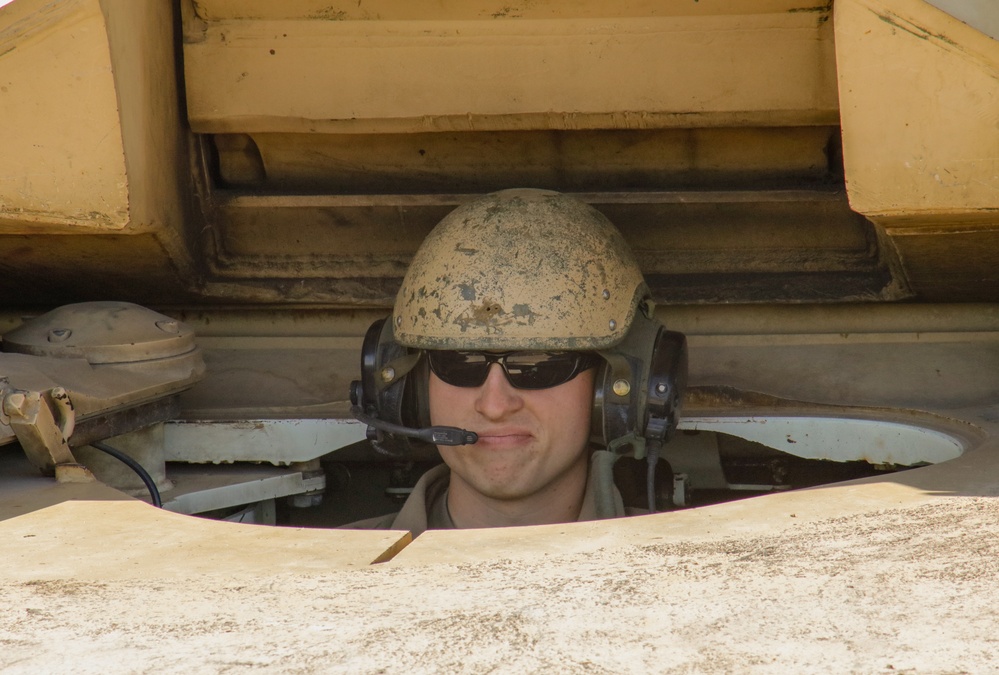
(530, 441)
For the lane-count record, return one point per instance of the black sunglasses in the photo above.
(524, 370)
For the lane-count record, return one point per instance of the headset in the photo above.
(637, 400)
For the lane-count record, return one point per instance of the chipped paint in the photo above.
(467, 291)
(895, 21)
(523, 311)
(824, 11)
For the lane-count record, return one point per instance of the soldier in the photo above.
(523, 345)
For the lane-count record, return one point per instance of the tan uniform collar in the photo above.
(426, 507)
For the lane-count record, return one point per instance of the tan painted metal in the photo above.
(43, 433)
(94, 163)
(443, 10)
(102, 333)
(919, 96)
(118, 539)
(659, 113)
(56, 55)
(269, 70)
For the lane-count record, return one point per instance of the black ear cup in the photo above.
(369, 392)
(639, 391)
(667, 382)
(392, 387)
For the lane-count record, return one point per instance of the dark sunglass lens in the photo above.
(459, 369)
(540, 370)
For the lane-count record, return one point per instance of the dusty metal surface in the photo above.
(877, 577)
(710, 133)
(233, 54)
(80, 193)
(925, 167)
(274, 441)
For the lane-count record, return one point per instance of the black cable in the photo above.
(134, 466)
(652, 459)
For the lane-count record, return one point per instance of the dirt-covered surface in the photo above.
(903, 590)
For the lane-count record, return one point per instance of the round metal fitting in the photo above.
(388, 374)
(13, 404)
(606, 294)
(661, 388)
(621, 387)
(612, 324)
(102, 332)
(59, 334)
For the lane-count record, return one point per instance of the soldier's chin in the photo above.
(506, 488)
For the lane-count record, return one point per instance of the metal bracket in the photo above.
(43, 423)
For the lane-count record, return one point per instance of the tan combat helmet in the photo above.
(520, 269)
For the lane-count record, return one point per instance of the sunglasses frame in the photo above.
(583, 361)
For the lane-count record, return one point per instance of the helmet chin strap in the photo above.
(602, 466)
(651, 448)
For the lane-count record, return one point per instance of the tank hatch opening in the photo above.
(710, 460)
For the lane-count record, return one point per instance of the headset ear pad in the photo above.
(639, 389)
(371, 394)
(416, 397)
(404, 399)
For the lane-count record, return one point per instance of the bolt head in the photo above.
(13, 403)
(621, 387)
(59, 334)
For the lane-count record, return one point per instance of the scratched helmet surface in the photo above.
(520, 269)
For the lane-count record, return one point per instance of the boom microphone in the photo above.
(435, 435)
